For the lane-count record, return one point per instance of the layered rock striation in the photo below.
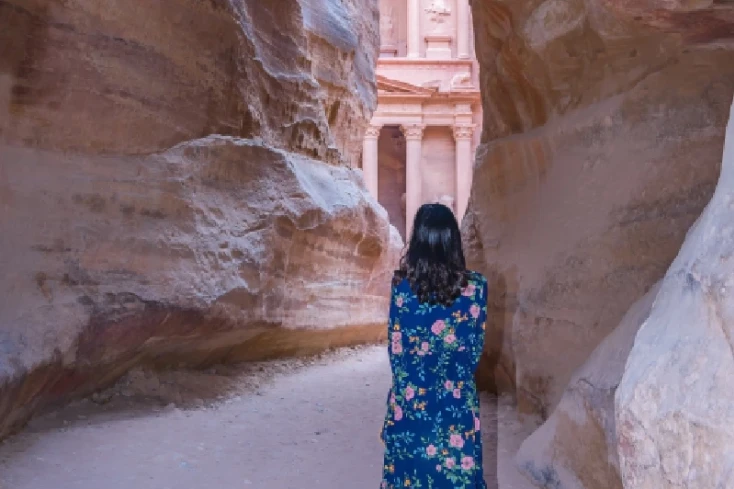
(604, 122)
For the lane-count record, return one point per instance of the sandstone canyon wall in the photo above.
(675, 403)
(602, 135)
(576, 448)
(174, 188)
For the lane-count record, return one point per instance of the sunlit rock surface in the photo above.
(675, 403)
(576, 448)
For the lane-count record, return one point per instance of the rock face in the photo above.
(675, 404)
(174, 188)
(603, 128)
(577, 447)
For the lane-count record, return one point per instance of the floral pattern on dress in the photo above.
(431, 430)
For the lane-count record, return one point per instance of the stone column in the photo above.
(369, 158)
(414, 31)
(464, 166)
(413, 178)
(462, 29)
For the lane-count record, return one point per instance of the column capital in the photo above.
(413, 131)
(372, 131)
(463, 131)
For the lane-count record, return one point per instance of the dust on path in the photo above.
(299, 424)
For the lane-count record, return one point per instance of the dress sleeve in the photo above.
(392, 315)
(481, 323)
(391, 319)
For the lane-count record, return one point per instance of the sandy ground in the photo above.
(299, 424)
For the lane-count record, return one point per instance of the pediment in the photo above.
(387, 85)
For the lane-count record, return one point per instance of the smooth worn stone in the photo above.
(675, 404)
(175, 188)
(576, 448)
(601, 145)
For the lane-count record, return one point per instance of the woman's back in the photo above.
(436, 335)
(431, 429)
(437, 342)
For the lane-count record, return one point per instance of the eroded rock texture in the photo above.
(576, 448)
(675, 403)
(603, 129)
(174, 188)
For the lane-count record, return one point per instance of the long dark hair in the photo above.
(434, 262)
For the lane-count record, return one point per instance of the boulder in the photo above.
(576, 448)
(602, 132)
(175, 188)
(675, 403)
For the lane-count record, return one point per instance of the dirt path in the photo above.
(281, 425)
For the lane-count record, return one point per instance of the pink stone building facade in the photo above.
(421, 141)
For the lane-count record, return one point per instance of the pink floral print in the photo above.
(431, 431)
(469, 290)
(438, 327)
(456, 441)
(398, 413)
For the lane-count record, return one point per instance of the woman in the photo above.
(436, 335)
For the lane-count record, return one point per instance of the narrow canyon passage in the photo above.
(281, 425)
(186, 184)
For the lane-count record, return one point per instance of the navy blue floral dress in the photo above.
(431, 430)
